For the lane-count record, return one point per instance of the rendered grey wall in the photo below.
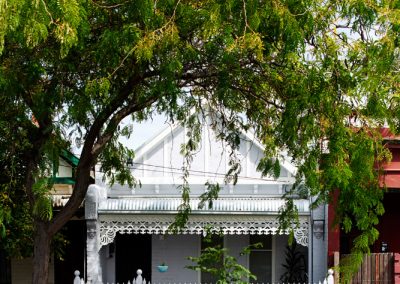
(319, 247)
(174, 251)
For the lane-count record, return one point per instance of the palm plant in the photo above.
(295, 265)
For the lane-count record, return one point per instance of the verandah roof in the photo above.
(231, 205)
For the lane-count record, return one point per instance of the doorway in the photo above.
(131, 253)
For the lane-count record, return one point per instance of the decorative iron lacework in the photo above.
(156, 224)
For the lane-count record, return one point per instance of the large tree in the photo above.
(301, 72)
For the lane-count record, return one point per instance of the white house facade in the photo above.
(127, 228)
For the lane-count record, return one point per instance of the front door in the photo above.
(132, 252)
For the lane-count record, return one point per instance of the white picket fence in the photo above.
(140, 280)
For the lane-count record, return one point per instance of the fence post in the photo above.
(77, 279)
(330, 279)
(139, 279)
(336, 263)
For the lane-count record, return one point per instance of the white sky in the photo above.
(143, 131)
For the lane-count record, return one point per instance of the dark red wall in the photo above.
(391, 179)
(333, 231)
(389, 225)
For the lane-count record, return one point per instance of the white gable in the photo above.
(159, 159)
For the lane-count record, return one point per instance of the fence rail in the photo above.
(140, 280)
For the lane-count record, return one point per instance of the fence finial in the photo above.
(330, 278)
(139, 278)
(77, 280)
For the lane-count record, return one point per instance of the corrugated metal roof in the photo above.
(223, 205)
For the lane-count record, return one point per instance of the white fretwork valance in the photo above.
(198, 224)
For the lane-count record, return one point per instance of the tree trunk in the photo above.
(41, 254)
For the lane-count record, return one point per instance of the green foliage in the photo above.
(210, 195)
(59, 244)
(352, 169)
(288, 218)
(15, 218)
(115, 156)
(268, 166)
(43, 207)
(216, 261)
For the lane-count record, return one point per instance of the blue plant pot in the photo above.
(162, 268)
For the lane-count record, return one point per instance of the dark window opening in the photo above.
(132, 252)
(260, 259)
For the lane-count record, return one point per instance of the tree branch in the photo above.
(93, 145)
(116, 119)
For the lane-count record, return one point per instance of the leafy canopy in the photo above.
(301, 71)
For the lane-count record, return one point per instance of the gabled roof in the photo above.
(157, 139)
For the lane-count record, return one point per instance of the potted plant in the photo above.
(163, 267)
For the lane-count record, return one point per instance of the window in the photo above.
(260, 259)
(213, 241)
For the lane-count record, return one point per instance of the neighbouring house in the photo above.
(127, 228)
(20, 270)
(380, 265)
